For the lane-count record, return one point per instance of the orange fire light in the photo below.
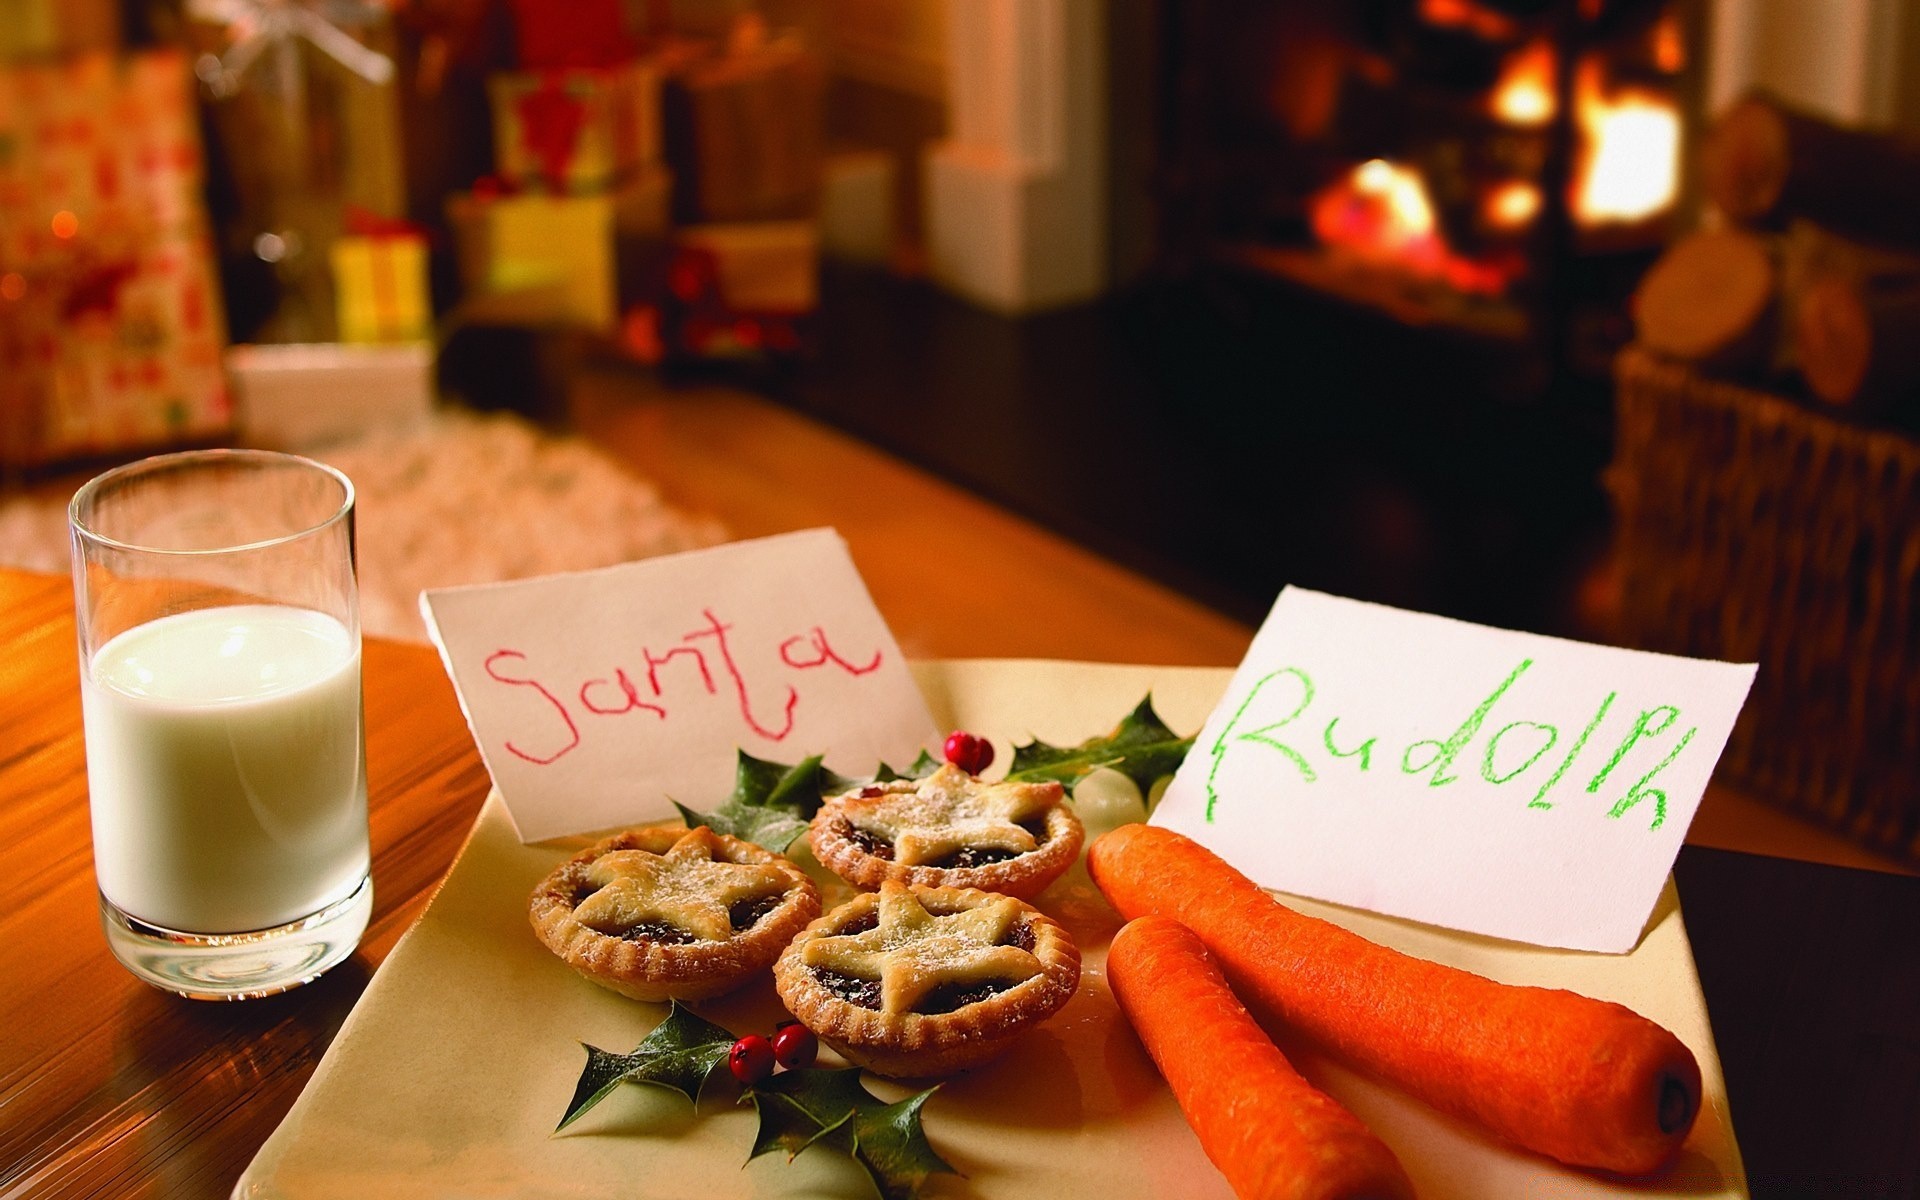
(1380, 214)
(1524, 94)
(1629, 166)
(1512, 205)
(1465, 14)
(1630, 169)
(1669, 45)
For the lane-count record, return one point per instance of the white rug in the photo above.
(462, 499)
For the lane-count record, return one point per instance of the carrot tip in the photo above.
(1676, 1105)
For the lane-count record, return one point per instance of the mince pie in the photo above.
(661, 912)
(949, 830)
(914, 981)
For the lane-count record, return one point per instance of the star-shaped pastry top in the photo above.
(687, 887)
(912, 951)
(929, 819)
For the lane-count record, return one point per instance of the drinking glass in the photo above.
(219, 633)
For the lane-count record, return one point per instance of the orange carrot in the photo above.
(1585, 1081)
(1271, 1133)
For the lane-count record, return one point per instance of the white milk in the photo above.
(226, 770)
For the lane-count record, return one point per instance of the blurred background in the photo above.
(1591, 317)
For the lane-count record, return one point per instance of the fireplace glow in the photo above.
(1669, 45)
(1381, 209)
(1631, 162)
(1512, 205)
(1629, 167)
(1524, 94)
(1456, 216)
(1465, 14)
(1402, 198)
(1379, 213)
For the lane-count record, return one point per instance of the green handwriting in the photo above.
(1641, 791)
(1364, 750)
(1445, 752)
(1540, 797)
(1508, 753)
(1262, 735)
(1487, 771)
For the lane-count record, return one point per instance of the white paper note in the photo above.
(598, 698)
(1502, 783)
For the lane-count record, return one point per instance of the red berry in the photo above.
(969, 752)
(751, 1059)
(794, 1045)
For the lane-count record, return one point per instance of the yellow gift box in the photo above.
(535, 259)
(380, 288)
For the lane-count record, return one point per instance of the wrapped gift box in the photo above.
(744, 133)
(48, 28)
(306, 396)
(759, 267)
(304, 99)
(737, 291)
(535, 259)
(95, 145)
(110, 318)
(576, 33)
(575, 130)
(112, 349)
(380, 287)
(857, 202)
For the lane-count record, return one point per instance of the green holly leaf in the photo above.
(1141, 747)
(681, 1053)
(799, 1108)
(922, 767)
(893, 1148)
(756, 781)
(771, 802)
(768, 828)
(833, 1108)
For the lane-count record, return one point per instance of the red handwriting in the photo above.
(825, 654)
(654, 665)
(573, 731)
(626, 689)
(718, 632)
(620, 693)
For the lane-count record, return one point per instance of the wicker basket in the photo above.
(1752, 529)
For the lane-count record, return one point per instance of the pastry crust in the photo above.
(983, 815)
(677, 877)
(934, 938)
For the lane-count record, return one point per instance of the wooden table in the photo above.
(110, 1088)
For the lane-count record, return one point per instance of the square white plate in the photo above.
(463, 1052)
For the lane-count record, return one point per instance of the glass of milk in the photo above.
(220, 682)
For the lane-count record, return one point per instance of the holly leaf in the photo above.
(1141, 747)
(768, 828)
(681, 1053)
(921, 767)
(799, 1108)
(804, 1108)
(771, 802)
(891, 1145)
(758, 781)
